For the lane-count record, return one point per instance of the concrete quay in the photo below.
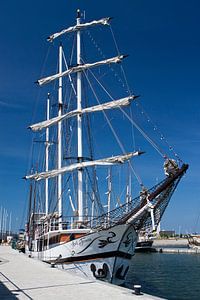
(178, 250)
(172, 243)
(23, 278)
(174, 246)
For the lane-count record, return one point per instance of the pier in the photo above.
(23, 278)
(173, 246)
(177, 250)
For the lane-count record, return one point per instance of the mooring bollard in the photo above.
(56, 261)
(137, 289)
(52, 265)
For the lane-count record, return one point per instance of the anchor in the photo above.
(101, 273)
(119, 271)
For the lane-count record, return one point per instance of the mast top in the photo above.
(78, 13)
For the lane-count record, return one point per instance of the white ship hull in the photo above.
(103, 254)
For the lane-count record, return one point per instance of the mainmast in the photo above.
(60, 104)
(79, 124)
(47, 160)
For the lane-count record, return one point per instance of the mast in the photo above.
(1, 221)
(60, 103)
(9, 230)
(128, 191)
(109, 193)
(47, 160)
(5, 222)
(92, 213)
(79, 124)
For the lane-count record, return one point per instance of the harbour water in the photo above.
(170, 276)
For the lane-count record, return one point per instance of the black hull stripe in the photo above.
(92, 256)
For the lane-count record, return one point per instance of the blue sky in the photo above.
(163, 41)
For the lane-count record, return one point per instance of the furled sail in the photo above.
(103, 21)
(100, 162)
(105, 106)
(113, 60)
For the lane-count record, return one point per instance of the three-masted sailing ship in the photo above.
(76, 219)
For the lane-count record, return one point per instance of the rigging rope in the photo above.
(112, 129)
(128, 117)
(110, 125)
(155, 128)
(70, 78)
(105, 90)
(121, 66)
(146, 115)
(114, 39)
(144, 134)
(116, 75)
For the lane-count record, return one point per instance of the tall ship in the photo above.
(88, 201)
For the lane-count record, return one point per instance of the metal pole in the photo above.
(92, 214)
(47, 159)
(79, 124)
(60, 103)
(5, 223)
(10, 224)
(0, 218)
(128, 193)
(1, 222)
(109, 193)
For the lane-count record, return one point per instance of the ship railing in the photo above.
(107, 220)
(159, 196)
(69, 222)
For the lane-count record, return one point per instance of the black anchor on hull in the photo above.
(119, 271)
(101, 273)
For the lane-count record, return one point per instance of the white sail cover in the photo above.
(100, 162)
(113, 60)
(105, 106)
(104, 21)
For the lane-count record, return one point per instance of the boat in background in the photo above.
(194, 241)
(68, 225)
(144, 246)
(145, 242)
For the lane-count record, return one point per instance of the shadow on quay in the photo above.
(5, 293)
